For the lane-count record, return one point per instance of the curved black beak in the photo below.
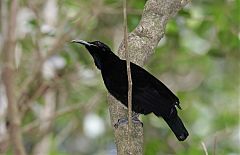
(82, 42)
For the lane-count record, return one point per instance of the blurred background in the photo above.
(61, 96)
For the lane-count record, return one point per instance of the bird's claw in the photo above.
(135, 120)
(120, 122)
(123, 121)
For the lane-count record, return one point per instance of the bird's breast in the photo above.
(115, 80)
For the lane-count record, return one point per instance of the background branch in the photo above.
(23, 97)
(63, 111)
(8, 79)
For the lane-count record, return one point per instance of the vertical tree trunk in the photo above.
(141, 44)
(46, 117)
(8, 79)
(3, 113)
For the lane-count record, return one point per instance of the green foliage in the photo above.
(152, 147)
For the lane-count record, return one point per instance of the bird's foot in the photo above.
(123, 121)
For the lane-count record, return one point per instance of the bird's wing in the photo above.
(165, 91)
(150, 94)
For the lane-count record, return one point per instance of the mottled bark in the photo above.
(141, 44)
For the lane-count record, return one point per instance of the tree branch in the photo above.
(69, 109)
(141, 43)
(8, 79)
(125, 40)
(58, 44)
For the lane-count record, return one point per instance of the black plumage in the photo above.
(149, 95)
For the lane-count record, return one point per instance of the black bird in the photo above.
(149, 95)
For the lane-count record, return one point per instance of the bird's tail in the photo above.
(176, 125)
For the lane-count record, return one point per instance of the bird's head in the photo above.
(95, 46)
(99, 51)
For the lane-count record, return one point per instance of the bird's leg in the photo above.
(123, 121)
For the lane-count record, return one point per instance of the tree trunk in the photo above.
(141, 44)
(8, 76)
(47, 114)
